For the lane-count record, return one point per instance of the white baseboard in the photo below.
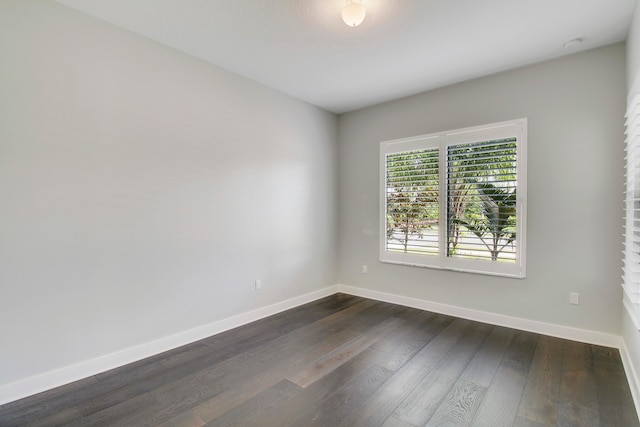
(49, 380)
(632, 375)
(566, 332)
(66, 375)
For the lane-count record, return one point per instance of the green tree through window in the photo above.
(412, 200)
(455, 200)
(482, 199)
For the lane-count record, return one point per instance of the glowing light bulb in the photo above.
(353, 13)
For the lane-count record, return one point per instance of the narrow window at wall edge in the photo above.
(631, 253)
(456, 200)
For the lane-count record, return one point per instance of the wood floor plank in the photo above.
(250, 383)
(460, 405)
(219, 382)
(485, 363)
(143, 385)
(464, 399)
(424, 400)
(606, 354)
(372, 316)
(578, 405)
(214, 391)
(345, 400)
(345, 315)
(524, 422)
(226, 371)
(226, 347)
(194, 377)
(250, 412)
(48, 403)
(184, 355)
(394, 422)
(413, 324)
(500, 404)
(364, 363)
(153, 382)
(541, 394)
(520, 352)
(383, 403)
(615, 404)
(112, 388)
(310, 398)
(502, 399)
(401, 346)
(186, 419)
(124, 413)
(260, 332)
(129, 374)
(344, 353)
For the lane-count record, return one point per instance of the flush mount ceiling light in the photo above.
(353, 13)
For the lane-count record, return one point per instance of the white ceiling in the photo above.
(302, 47)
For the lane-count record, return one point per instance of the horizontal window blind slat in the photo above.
(437, 198)
(631, 252)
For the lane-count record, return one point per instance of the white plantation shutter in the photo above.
(410, 194)
(631, 268)
(483, 177)
(456, 200)
(413, 201)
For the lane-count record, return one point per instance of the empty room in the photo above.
(393, 213)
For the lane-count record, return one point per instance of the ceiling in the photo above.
(302, 47)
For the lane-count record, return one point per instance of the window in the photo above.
(631, 276)
(456, 200)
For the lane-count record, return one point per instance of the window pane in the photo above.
(481, 206)
(456, 200)
(412, 201)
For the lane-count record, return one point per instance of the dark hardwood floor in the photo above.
(349, 361)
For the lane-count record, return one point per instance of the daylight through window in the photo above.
(455, 200)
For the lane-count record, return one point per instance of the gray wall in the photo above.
(633, 48)
(575, 108)
(144, 191)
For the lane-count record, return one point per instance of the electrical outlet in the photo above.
(258, 284)
(574, 298)
(365, 269)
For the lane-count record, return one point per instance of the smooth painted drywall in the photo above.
(575, 107)
(633, 50)
(143, 191)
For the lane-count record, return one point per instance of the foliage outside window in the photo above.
(455, 200)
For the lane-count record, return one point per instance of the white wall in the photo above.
(142, 191)
(575, 107)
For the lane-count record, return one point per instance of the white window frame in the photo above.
(512, 128)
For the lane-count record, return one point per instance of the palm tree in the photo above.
(495, 227)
